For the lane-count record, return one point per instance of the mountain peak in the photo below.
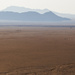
(23, 9)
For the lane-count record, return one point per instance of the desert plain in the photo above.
(31, 50)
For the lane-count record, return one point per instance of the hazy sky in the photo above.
(64, 6)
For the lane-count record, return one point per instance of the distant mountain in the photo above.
(71, 16)
(31, 16)
(41, 11)
(23, 9)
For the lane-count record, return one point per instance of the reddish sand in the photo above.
(36, 46)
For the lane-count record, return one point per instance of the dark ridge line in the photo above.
(37, 26)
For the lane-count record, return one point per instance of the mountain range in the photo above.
(41, 11)
(31, 16)
(23, 9)
(27, 14)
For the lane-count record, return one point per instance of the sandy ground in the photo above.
(22, 47)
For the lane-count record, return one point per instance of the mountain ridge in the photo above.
(41, 11)
(23, 9)
(31, 16)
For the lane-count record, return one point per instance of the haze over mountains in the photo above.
(41, 11)
(23, 9)
(27, 14)
(71, 16)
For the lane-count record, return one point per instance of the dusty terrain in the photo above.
(37, 51)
